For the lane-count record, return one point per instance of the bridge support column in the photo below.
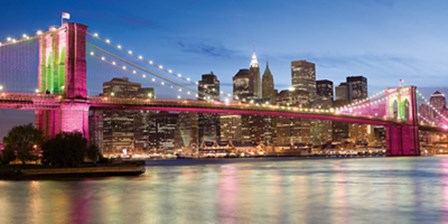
(75, 117)
(402, 140)
(47, 121)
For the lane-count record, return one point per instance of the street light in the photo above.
(1, 87)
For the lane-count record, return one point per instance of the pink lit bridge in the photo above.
(61, 101)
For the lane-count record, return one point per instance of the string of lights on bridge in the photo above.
(431, 106)
(362, 103)
(142, 75)
(25, 37)
(152, 63)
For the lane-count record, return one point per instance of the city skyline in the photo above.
(189, 46)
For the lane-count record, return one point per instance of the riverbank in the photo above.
(19, 172)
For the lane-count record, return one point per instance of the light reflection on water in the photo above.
(385, 190)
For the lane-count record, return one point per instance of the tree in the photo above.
(8, 155)
(23, 140)
(69, 149)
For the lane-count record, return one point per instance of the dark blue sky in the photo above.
(384, 40)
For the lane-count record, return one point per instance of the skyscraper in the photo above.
(303, 74)
(123, 129)
(255, 72)
(340, 128)
(208, 123)
(357, 88)
(321, 130)
(208, 87)
(243, 85)
(292, 131)
(268, 93)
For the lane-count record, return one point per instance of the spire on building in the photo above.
(254, 61)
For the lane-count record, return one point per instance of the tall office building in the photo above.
(342, 93)
(303, 74)
(255, 72)
(357, 88)
(161, 131)
(247, 88)
(268, 96)
(208, 123)
(438, 101)
(292, 131)
(321, 130)
(208, 87)
(230, 128)
(243, 85)
(122, 129)
(357, 91)
(268, 92)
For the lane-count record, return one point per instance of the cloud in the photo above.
(207, 48)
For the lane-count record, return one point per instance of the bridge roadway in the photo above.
(33, 101)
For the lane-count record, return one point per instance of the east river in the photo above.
(361, 190)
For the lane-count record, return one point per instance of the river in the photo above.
(280, 190)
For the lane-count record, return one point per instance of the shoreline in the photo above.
(30, 172)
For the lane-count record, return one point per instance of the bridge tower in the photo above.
(402, 139)
(62, 71)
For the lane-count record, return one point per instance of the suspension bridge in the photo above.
(62, 102)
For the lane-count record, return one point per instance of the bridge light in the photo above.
(150, 62)
(188, 79)
(95, 34)
(119, 46)
(39, 32)
(1, 87)
(160, 66)
(144, 76)
(140, 57)
(92, 53)
(130, 52)
(162, 83)
(52, 28)
(36, 90)
(153, 79)
(114, 63)
(103, 58)
(107, 41)
(178, 96)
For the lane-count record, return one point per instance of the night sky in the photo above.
(384, 40)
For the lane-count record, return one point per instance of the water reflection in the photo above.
(392, 190)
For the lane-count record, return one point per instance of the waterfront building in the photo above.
(208, 123)
(122, 129)
(321, 130)
(186, 136)
(230, 128)
(357, 91)
(340, 128)
(268, 96)
(161, 131)
(292, 131)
